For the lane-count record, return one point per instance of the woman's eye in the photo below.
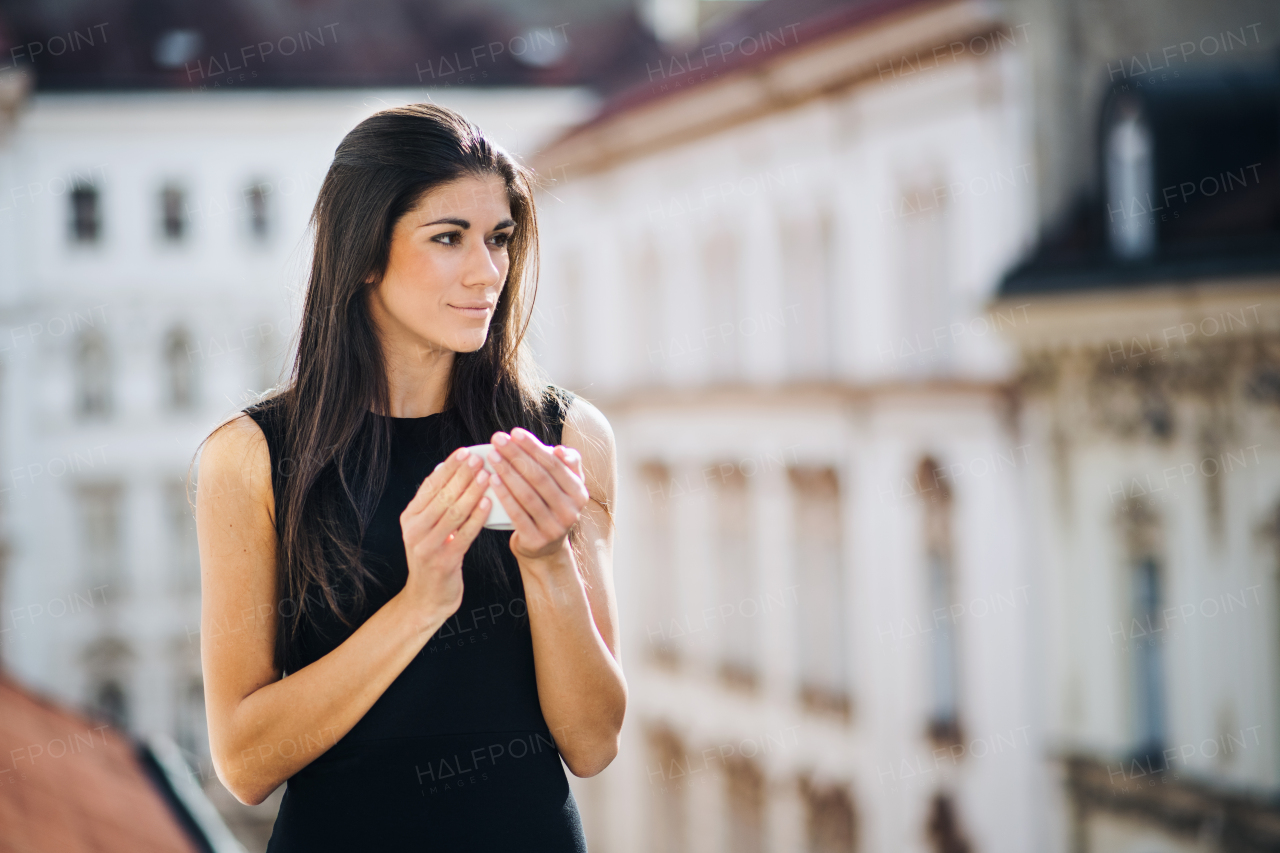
(449, 238)
(501, 239)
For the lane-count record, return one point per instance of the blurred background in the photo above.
(941, 340)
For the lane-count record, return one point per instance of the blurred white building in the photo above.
(1151, 376)
(770, 268)
(154, 246)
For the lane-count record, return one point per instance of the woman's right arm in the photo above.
(264, 728)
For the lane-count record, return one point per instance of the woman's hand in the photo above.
(438, 526)
(542, 489)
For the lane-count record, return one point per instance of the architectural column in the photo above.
(625, 817)
(772, 507)
(707, 812)
(785, 817)
(692, 516)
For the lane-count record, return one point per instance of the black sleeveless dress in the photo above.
(455, 755)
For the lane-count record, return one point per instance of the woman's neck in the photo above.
(417, 378)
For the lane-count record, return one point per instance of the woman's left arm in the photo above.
(573, 613)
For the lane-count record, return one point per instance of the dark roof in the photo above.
(70, 783)
(1216, 181)
(169, 44)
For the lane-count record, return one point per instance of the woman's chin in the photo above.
(469, 341)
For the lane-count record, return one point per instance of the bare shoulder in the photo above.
(587, 431)
(236, 462)
(586, 422)
(233, 444)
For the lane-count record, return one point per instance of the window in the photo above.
(943, 827)
(567, 320)
(735, 577)
(267, 357)
(107, 660)
(1129, 180)
(924, 342)
(826, 325)
(173, 213)
(944, 712)
(111, 703)
(191, 728)
(808, 311)
(653, 348)
(180, 370)
(829, 819)
(664, 625)
(668, 772)
(1144, 583)
(100, 536)
(256, 207)
(93, 376)
(745, 799)
(720, 273)
(1147, 660)
(820, 589)
(86, 221)
(175, 48)
(183, 547)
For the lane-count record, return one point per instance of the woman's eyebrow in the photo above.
(462, 223)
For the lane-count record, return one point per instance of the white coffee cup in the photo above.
(498, 518)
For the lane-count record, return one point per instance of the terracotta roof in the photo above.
(70, 783)
(777, 56)
(756, 37)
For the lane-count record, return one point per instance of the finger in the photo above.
(429, 531)
(551, 518)
(456, 463)
(456, 514)
(417, 525)
(453, 515)
(449, 493)
(563, 505)
(519, 460)
(565, 477)
(520, 518)
(466, 534)
(435, 479)
(569, 457)
(573, 459)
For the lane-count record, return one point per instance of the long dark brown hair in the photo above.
(332, 466)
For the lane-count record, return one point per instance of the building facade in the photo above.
(1148, 373)
(769, 267)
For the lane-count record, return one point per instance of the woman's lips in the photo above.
(472, 310)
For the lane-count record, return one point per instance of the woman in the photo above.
(415, 679)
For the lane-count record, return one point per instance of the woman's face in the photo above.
(446, 269)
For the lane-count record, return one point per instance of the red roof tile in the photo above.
(70, 784)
